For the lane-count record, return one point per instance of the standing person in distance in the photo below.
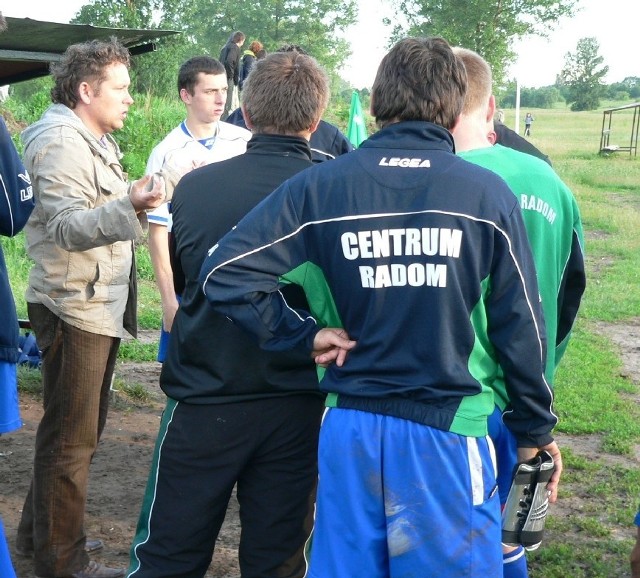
(199, 139)
(82, 293)
(502, 134)
(230, 58)
(423, 260)
(248, 60)
(554, 229)
(236, 414)
(528, 119)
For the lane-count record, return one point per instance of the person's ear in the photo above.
(314, 126)
(85, 92)
(491, 108)
(185, 96)
(245, 115)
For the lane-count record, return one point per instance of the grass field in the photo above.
(589, 535)
(599, 494)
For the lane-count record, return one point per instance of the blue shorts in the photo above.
(6, 568)
(396, 496)
(163, 344)
(9, 406)
(506, 448)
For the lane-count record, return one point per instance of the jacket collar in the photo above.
(290, 146)
(412, 134)
(60, 115)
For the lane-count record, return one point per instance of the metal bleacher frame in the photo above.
(605, 146)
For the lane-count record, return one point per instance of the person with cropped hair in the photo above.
(201, 138)
(421, 287)
(236, 415)
(327, 141)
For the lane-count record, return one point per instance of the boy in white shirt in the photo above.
(200, 139)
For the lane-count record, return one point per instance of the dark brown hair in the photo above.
(419, 79)
(85, 62)
(237, 37)
(189, 70)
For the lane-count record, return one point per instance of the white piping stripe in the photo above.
(492, 452)
(293, 310)
(325, 153)
(155, 489)
(517, 554)
(6, 196)
(475, 471)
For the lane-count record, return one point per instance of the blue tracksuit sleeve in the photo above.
(16, 194)
(255, 255)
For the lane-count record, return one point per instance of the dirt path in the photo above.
(118, 476)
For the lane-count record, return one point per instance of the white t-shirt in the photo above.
(180, 150)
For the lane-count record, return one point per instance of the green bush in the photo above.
(148, 122)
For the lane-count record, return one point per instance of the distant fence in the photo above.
(611, 128)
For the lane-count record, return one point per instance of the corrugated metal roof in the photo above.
(28, 46)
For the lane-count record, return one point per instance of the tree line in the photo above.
(580, 83)
(490, 27)
(206, 25)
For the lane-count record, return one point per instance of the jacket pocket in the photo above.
(109, 183)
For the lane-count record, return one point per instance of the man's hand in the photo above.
(147, 193)
(525, 454)
(330, 345)
(635, 557)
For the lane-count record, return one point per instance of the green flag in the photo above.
(357, 130)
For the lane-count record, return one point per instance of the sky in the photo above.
(612, 22)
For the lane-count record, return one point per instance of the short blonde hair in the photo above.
(479, 79)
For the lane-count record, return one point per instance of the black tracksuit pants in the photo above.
(268, 448)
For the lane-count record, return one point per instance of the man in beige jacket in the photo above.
(82, 293)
